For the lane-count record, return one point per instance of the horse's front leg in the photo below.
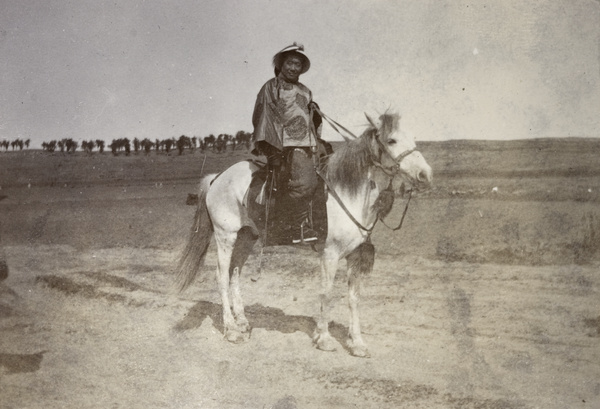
(329, 263)
(360, 263)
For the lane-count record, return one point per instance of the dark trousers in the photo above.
(302, 180)
(293, 170)
(295, 183)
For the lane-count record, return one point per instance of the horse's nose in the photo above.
(425, 176)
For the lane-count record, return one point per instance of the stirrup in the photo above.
(306, 235)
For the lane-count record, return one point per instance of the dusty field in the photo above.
(484, 300)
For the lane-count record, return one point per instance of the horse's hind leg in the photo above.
(360, 263)
(225, 244)
(241, 250)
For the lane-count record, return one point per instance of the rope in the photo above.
(403, 215)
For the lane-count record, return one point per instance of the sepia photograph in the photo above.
(276, 204)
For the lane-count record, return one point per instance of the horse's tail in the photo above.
(194, 253)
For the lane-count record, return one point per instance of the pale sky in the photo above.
(454, 69)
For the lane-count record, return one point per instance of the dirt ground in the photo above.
(101, 327)
(88, 318)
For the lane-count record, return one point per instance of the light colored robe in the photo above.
(282, 116)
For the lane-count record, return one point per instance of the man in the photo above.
(285, 131)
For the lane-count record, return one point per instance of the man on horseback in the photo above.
(286, 131)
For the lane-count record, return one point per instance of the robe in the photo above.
(282, 116)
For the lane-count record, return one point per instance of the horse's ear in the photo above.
(373, 123)
(370, 120)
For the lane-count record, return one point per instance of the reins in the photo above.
(391, 172)
(368, 230)
(343, 206)
(333, 124)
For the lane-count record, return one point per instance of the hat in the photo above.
(295, 49)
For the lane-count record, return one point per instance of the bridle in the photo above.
(391, 171)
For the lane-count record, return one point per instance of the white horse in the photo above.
(359, 179)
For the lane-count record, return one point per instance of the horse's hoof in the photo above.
(236, 337)
(244, 327)
(359, 350)
(324, 342)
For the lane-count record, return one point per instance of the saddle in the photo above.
(276, 216)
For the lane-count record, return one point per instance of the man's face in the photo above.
(291, 68)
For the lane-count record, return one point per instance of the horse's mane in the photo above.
(348, 166)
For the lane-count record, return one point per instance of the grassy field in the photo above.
(536, 169)
(511, 202)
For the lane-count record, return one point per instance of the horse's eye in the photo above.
(391, 142)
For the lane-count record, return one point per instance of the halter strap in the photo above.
(391, 171)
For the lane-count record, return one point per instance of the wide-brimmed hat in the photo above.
(294, 49)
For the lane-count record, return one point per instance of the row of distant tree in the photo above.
(16, 144)
(217, 144)
(63, 145)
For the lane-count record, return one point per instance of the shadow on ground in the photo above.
(268, 318)
(19, 363)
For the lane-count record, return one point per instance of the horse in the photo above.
(360, 179)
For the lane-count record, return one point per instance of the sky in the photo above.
(453, 69)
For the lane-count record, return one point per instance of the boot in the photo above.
(302, 231)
